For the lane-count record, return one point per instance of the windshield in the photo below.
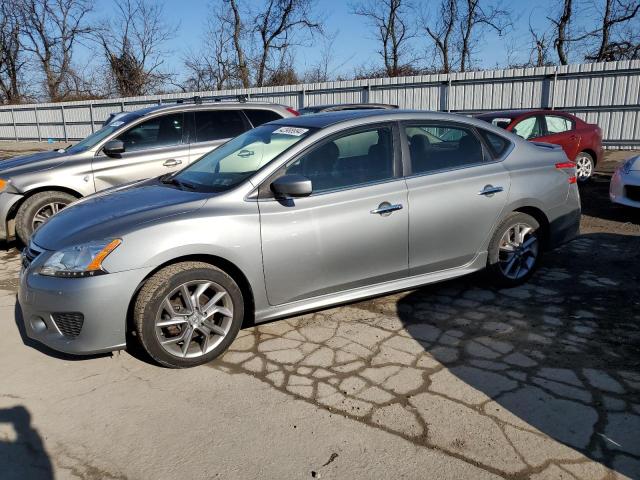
(92, 140)
(238, 159)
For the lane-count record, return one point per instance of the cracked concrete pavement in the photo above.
(454, 380)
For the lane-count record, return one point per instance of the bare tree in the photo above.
(474, 18)
(561, 31)
(390, 20)
(52, 28)
(238, 36)
(442, 33)
(539, 56)
(132, 43)
(611, 47)
(279, 27)
(11, 57)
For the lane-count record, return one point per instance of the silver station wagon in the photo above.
(295, 215)
(131, 146)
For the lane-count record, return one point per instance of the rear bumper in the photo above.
(564, 220)
(7, 201)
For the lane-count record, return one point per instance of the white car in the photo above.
(625, 183)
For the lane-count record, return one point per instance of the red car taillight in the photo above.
(568, 166)
(293, 111)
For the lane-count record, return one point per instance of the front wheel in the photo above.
(514, 250)
(585, 166)
(187, 314)
(37, 209)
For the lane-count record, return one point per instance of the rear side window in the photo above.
(497, 144)
(258, 117)
(218, 124)
(556, 124)
(437, 147)
(528, 128)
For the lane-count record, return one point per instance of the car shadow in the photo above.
(22, 452)
(560, 354)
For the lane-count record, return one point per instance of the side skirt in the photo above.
(310, 304)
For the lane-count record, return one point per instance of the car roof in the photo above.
(209, 106)
(346, 106)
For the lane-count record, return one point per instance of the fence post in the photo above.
(122, 106)
(64, 124)
(553, 90)
(301, 99)
(93, 129)
(449, 94)
(13, 120)
(366, 93)
(35, 111)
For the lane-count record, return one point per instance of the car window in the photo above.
(453, 147)
(156, 132)
(556, 124)
(528, 128)
(497, 144)
(218, 124)
(350, 160)
(258, 117)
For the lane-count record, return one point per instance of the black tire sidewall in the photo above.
(148, 336)
(28, 210)
(493, 266)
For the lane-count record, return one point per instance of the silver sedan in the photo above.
(624, 188)
(295, 215)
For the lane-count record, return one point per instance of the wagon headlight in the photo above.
(80, 260)
(628, 165)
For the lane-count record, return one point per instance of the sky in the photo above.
(354, 43)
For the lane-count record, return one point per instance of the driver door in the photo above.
(152, 148)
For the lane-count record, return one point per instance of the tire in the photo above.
(39, 206)
(585, 165)
(509, 265)
(165, 344)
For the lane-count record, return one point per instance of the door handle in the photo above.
(385, 208)
(490, 190)
(172, 163)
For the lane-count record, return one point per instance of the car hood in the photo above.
(32, 162)
(112, 214)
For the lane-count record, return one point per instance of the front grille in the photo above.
(69, 323)
(633, 193)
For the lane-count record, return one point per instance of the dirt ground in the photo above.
(453, 380)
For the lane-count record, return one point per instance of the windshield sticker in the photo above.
(116, 124)
(296, 132)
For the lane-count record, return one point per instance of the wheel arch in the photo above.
(222, 263)
(542, 220)
(592, 153)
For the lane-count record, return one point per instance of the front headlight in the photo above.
(80, 260)
(628, 165)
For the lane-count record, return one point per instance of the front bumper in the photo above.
(7, 201)
(103, 302)
(619, 182)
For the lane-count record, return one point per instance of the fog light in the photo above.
(37, 324)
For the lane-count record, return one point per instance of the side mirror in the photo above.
(291, 185)
(113, 148)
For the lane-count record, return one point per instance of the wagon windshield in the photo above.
(238, 159)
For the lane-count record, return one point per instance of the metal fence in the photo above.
(604, 93)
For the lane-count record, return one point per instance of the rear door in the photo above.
(212, 128)
(562, 131)
(456, 194)
(152, 148)
(351, 232)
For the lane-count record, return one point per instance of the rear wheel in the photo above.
(584, 166)
(37, 209)
(514, 250)
(188, 313)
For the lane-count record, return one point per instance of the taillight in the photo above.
(568, 166)
(293, 111)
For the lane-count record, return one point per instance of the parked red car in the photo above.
(581, 141)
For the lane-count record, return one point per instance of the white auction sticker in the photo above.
(116, 124)
(292, 131)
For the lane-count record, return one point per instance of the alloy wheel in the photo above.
(46, 211)
(518, 251)
(194, 318)
(584, 167)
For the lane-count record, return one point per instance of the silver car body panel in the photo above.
(322, 250)
(622, 179)
(89, 171)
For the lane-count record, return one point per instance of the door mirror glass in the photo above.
(292, 185)
(113, 148)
